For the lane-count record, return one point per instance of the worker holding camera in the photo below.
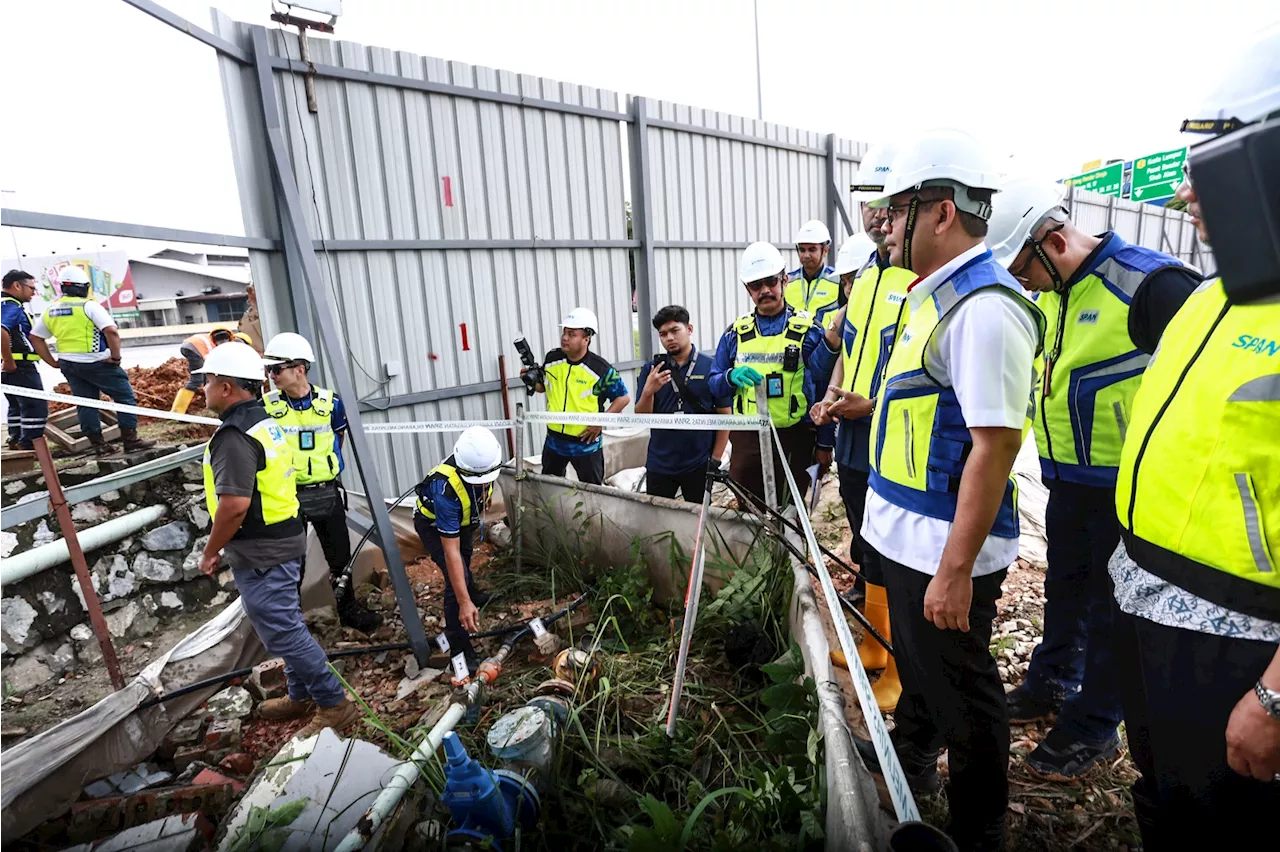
(675, 382)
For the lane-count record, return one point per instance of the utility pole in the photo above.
(755, 5)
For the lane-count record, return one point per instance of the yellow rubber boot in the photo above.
(887, 688)
(872, 653)
(182, 400)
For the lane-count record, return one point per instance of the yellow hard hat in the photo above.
(246, 338)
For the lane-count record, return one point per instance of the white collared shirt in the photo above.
(984, 350)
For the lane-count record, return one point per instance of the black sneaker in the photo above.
(1025, 706)
(920, 767)
(479, 597)
(1060, 754)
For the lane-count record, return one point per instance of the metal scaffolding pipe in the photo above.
(19, 566)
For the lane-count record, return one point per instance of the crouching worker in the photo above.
(450, 502)
(252, 498)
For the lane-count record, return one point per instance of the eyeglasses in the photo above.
(893, 211)
(277, 369)
(757, 286)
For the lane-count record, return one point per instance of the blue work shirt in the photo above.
(819, 360)
(674, 452)
(17, 322)
(337, 419)
(438, 494)
(611, 387)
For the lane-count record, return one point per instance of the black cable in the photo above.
(344, 579)
(740, 492)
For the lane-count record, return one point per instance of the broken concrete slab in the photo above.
(267, 680)
(199, 516)
(152, 569)
(175, 535)
(170, 601)
(8, 542)
(17, 620)
(130, 621)
(223, 735)
(113, 578)
(177, 833)
(184, 757)
(101, 816)
(191, 564)
(89, 512)
(43, 534)
(410, 685)
(188, 732)
(234, 702)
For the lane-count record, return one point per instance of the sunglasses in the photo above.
(757, 286)
(277, 369)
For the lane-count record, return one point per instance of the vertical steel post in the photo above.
(506, 401)
(58, 503)
(833, 199)
(517, 512)
(289, 201)
(641, 218)
(755, 8)
(767, 449)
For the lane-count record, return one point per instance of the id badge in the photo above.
(307, 440)
(773, 386)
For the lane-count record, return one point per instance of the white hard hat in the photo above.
(73, 274)
(477, 456)
(760, 260)
(1017, 211)
(583, 318)
(874, 171)
(235, 360)
(854, 253)
(1248, 91)
(289, 346)
(813, 231)
(943, 158)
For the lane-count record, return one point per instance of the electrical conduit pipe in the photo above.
(22, 565)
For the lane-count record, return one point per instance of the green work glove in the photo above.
(744, 377)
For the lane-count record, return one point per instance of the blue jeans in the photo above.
(26, 416)
(88, 380)
(270, 598)
(1076, 657)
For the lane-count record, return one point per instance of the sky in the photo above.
(110, 114)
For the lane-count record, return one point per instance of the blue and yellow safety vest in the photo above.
(310, 434)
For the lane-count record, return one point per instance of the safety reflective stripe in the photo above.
(1253, 524)
(1261, 389)
(450, 474)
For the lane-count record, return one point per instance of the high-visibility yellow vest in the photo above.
(574, 387)
(273, 508)
(877, 306)
(1198, 492)
(816, 297)
(767, 355)
(20, 346)
(919, 440)
(309, 433)
(1092, 368)
(448, 471)
(72, 327)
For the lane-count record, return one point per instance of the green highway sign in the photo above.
(1106, 180)
(1157, 175)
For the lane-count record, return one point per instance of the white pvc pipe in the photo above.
(22, 565)
(406, 774)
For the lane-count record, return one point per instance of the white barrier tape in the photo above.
(434, 426)
(904, 804)
(706, 422)
(85, 401)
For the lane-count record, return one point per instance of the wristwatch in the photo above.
(1269, 698)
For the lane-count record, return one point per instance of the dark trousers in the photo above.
(952, 696)
(798, 444)
(26, 416)
(1179, 688)
(590, 468)
(89, 380)
(692, 485)
(195, 363)
(459, 641)
(853, 493)
(1075, 659)
(323, 507)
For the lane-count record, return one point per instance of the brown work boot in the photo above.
(339, 717)
(275, 709)
(98, 445)
(132, 443)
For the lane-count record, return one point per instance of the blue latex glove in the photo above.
(744, 377)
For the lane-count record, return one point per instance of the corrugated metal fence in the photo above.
(454, 208)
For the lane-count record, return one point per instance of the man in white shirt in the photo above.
(945, 430)
(89, 354)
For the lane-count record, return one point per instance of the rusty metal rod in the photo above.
(58, 503)
(506, 402)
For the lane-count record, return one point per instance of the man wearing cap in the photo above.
(21, 350)
(89, 353)
(813, 286)
(577, 380)
(1106, 304)
(314, 421)
(946, 426)
(789, 353)
(195, 349)
(251, 493)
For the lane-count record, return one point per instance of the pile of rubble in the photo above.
(155, 387)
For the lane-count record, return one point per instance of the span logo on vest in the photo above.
(1257, 345)
(1087, 318)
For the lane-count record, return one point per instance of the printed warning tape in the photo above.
(87, 402)
(420, 426)
(904, 804)
(735, 422)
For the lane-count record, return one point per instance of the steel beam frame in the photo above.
(181, 24)
(469, 245)
(106, 227)
(641, 219)
(290, 203)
